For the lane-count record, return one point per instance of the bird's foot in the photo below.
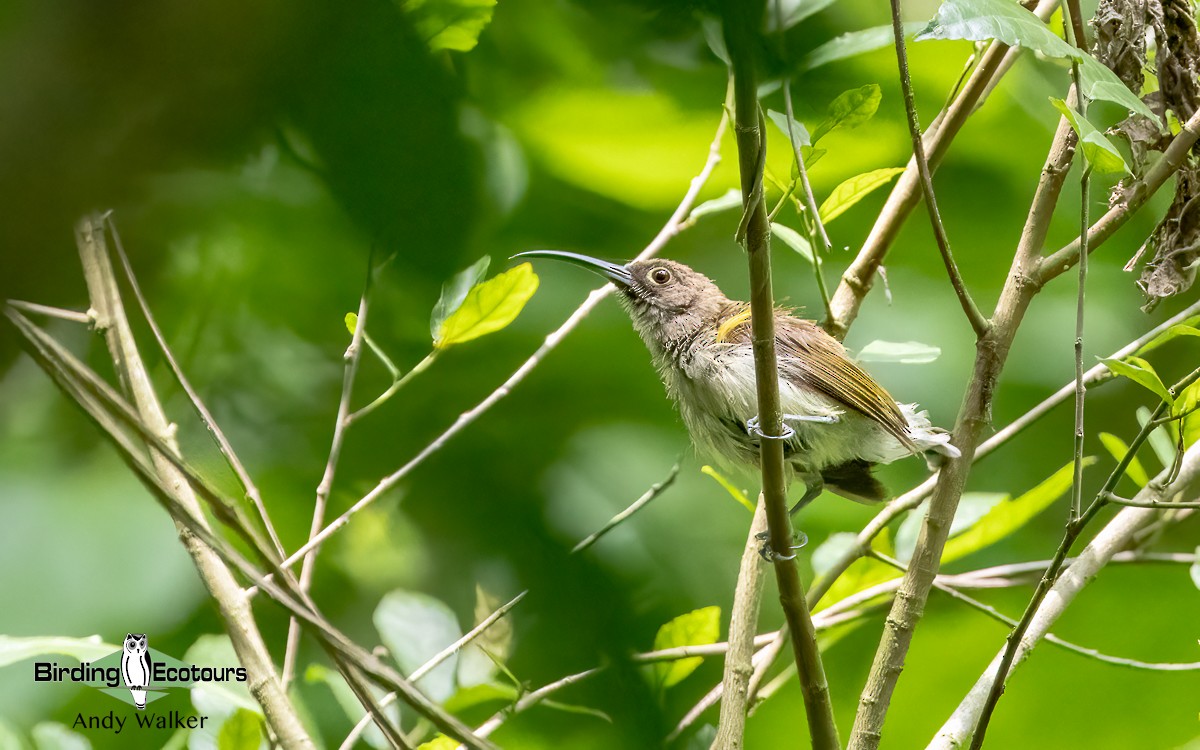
(798, 537)
(753, 424)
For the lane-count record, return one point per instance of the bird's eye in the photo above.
(660, 276)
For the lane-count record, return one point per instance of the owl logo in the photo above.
(135, 667)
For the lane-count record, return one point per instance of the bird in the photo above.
(839, 422)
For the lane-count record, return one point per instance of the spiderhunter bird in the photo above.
(841, 422)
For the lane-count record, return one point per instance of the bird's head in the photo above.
(665, 299)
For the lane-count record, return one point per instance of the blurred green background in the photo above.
(254, 152)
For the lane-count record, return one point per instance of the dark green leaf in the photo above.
(980, 20)
(1101, 154)
(851, 109)
(696, 628)
(454, 292)
(853, 190)
(1100, 83)
(792, 12)
(714, 36)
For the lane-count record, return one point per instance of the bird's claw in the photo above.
(770, 555)
(753, 423)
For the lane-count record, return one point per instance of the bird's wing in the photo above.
(820, 362)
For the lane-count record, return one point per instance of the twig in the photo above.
(397, 384)
(239, 620)
(1159, 505)
(858, 278)
(325, 487)
(52, 312)
(740, 38)
(645, 499)
(1115, 536)
(978, 322)
(743, 623)
(202, 411)
(669, 230)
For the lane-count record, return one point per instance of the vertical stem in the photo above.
(740, 23)
(1073, 25)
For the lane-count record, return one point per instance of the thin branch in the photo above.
(743, 623)
(351, 357)
(51, 312)
(810, 202)
(860, 275)
(235, 609)
(740, 39)
(397, 384)
(1116, 535)
(202, 411)
(669, 230)
(978, 322)
(646, 498)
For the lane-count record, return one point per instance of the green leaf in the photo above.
(242, 731)
(853, 190)
(703, 739)
(855, 43)
(830, 550)
(352, 322)
(1195, 569)
(972, 507)
(1117, 448)
(1101, 154)
(478, 695)
(1160, 441)
(798, 134)
(906, 352)
(851, 109)
(1186, 328)
(50, 735)
(731, 199)
(696, 628)
(454, 292)
(1141, 372)
(441, 742)
(792, 12)
(1007, 517)
(734, 492)
(489, 306)
(794, 240)
(450, 24)
(415, 627)
(1098, 82)
(861, 575)
(1186, 405)
(714, 36)
(13, 650)
(979, 20)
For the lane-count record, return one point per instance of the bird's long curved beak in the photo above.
(617, 274)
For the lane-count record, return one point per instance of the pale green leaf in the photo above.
(1160, 442)
(907, 352)
(855, 43)
(242, 731)
(1101, 154)
(696, 628)
(1141, 372)
(450, 24)
(351, 322)
(1195, 569)
(1100, 83)
(344, 695)
(732, 198)
(1186, 328)
(972, 507)
(831, 550)
(441, 742)
(849, 110)
(454, 292)
(489, 306)
(415, 627)
(478, 695)
(734, 492)
(1186, 405)
(714, 36)
(88, 649)
(1117, 448)
(794, 240)
(1007, 517)
(853, 190)
(792, 12)
(703, 738)
(798, 134)
(861, 575)
(1008, 21)
(50, 735)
